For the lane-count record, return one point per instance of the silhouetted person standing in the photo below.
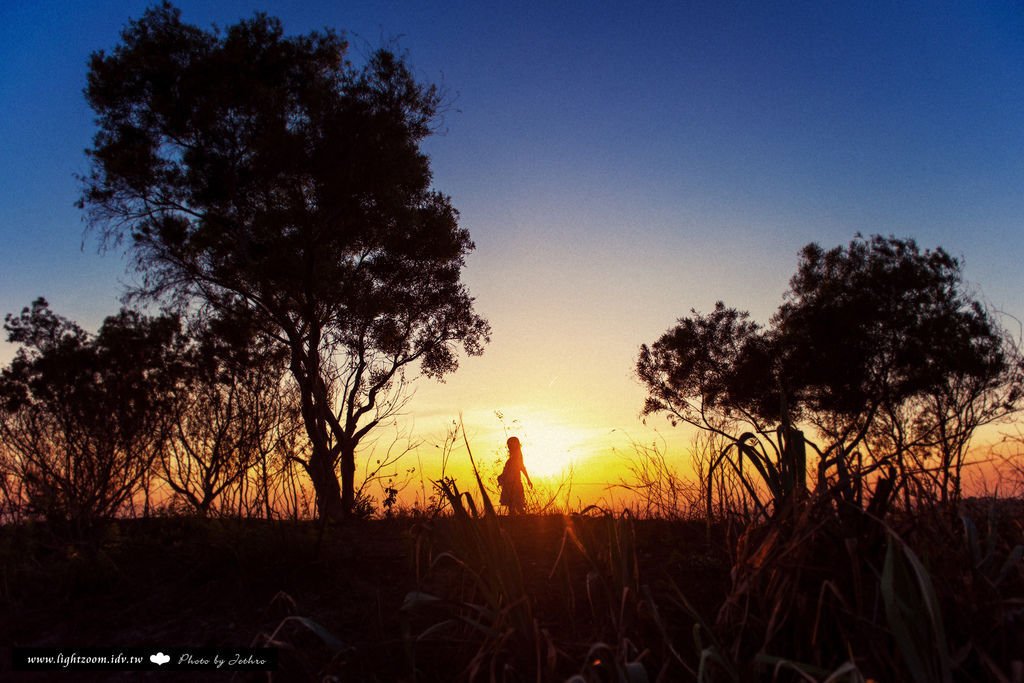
(512, 495)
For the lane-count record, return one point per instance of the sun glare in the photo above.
(550, 449)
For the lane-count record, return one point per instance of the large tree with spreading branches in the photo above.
(267, 175)
(878, 347)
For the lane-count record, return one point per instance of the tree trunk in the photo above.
(329, 501)
(321, 462)
(348, 479)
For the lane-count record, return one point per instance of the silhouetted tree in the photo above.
(12, 491)
(231, 410)
(84, 416)
(877, 345)
(266, 173)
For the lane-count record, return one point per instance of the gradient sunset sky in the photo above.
(617, 164)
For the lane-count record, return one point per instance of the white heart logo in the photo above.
(159, 658)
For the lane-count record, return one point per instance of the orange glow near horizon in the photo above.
(566, 448)
(551, 447)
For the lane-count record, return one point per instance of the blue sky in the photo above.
(616, 165)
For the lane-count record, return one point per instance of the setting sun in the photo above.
(552, 447)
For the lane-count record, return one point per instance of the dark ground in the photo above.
(160, 583)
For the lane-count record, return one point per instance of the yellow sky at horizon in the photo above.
(570, 441)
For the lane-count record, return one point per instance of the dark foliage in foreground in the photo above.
(474, 597)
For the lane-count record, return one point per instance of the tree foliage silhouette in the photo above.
(269, 175)
(84, 416)
(233, 414)
(877, 345)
